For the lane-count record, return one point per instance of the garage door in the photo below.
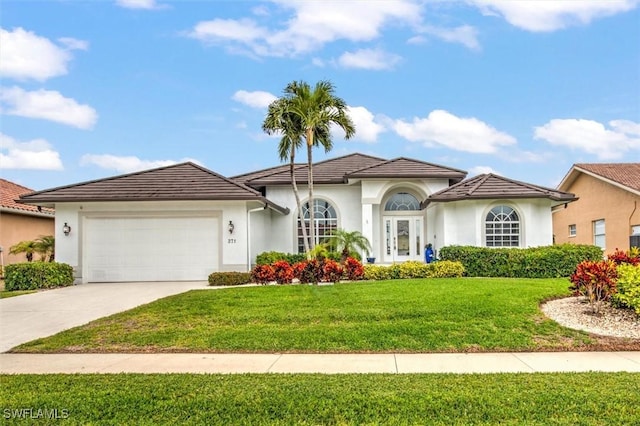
(150, 248)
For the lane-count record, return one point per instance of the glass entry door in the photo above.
(402, 238)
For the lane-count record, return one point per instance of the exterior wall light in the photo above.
(231, 227)
(66, 229)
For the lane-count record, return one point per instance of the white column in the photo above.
(367, 225)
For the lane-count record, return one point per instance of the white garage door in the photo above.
(150, 248)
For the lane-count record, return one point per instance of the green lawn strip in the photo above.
(436, 315)
(439, 399)
(5, 294)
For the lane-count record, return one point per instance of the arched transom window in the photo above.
(402, 201)
(325, 220)
(502, 227)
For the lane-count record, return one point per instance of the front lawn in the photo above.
(437, 315)
(437, 399)
(5, 294)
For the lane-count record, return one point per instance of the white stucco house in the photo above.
(183, 222)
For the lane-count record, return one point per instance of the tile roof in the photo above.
(246, 177)
(9, 192)
(327, 172)
(408, 168)
(625, 174)
(185, 181)
(490, 186)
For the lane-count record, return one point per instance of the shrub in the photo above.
(376, 272)
(332, 271)
(619, 257)
(35, 275)
(298, 267)
(628, 286)
(353, 269)
(283, 272)
(229, 278)
(445, 269)
(596, 280)
(271, 257)
(311, 272)
(535, 262)
(263, 274)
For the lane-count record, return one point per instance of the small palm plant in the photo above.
(347, 242)
(27, 247)
(45, 246)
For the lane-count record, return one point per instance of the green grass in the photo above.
(4, 294)
(510, 399)
(437, 315)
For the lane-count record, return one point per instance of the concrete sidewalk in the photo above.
(515, 362)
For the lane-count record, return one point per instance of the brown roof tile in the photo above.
(185, 181)
(246, 177)
(408, 168)
(490, 186)
(10, 192)
(625, 174)
(324, 172)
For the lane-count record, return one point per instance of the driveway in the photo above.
(31, 316)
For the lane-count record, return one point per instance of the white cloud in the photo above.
(442, 128)
(371, 59)
(47, 105)
(139, 4)
(127, 164)
(367, 126)
(256, 99)
(552, 15)
(36, 154)
(312, 25)
(27, 56)
(592, 137)
(481, 170)
(464, 34)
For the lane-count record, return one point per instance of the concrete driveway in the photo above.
(31, 316)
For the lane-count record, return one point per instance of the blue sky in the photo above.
(524, 89)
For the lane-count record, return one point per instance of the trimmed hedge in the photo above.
(270, 257)
(414, 269)
(229, 278)
(536, 262)
(36, 275)
(628, 285)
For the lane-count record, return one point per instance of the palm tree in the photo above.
(311, 113)
(46, 246)
(26, 247)
(278, 120)
(347, 242)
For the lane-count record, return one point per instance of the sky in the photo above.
(523, 89)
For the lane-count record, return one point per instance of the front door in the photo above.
(403, 237)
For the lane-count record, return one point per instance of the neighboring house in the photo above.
(20, 222)
(182, 222)
(607, 213)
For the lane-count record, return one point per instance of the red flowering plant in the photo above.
(332, 271)
(283, 272)
(263, 274)
(297, 268)
(353, 269)
(312, 272)
(619, 257)
(596, 281)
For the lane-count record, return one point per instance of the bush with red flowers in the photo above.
(332, 271)
(283, 272)
(312, 272)
(263, 274)
(595, 280)
(619, 257)
(353, 269)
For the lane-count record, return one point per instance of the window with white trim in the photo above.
(402, 201)
(502, 227)
(599, 234)
(573, 230)
(325, 220)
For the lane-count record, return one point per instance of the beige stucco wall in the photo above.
(598, 200)
(19, 227)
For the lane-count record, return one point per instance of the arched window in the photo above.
(325, 220)
(502, 227)
(402, 201)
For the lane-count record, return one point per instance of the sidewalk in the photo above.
(514, 362)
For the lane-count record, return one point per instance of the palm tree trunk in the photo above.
(312, 239)
(305, 240)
